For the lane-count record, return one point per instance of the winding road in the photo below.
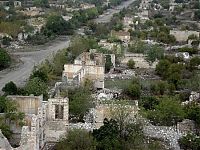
(20, 74)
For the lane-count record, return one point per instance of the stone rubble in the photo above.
(168, 134)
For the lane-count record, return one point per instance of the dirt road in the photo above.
(20, 74)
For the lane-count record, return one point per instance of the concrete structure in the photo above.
(182, 36)
(121, 35)
(86, 66)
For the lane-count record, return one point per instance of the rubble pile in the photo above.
(125, 74)
(194, 97)
(168, 134)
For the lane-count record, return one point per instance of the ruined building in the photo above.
(121, 35)
(45, 121)
(86, 66)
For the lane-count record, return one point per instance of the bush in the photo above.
(10, 88)
(5, 59)
(190, 141)
(131, 64)
(168, 112)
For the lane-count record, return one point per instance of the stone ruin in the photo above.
(45, 121)
(194, 97)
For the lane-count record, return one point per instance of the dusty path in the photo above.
(30, 59)
(106, 17)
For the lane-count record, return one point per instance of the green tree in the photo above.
(131, 64)
(41, 3)
(76, 139)
(80, 102)
(108, 63)
(162, 67)
(39, 73)
(193, 113)
(6, 40)
(10, 113)
(148, 102)
(36, 87)
(190, 141)
(134, 90)
(10, 88)
(154, 52)
(5, 59)
(194, 62)
(109, 136)
(168, 112)
(57, 25)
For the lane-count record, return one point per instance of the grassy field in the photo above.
(116, 83)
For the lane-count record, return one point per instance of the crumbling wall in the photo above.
(27, 104)
(182, 36)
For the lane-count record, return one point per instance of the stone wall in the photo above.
(182, 36)
(139, 60)
(27, 104)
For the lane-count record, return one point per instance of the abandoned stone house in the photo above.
(182, 36)
(139, 59)
(86, 66)
(45, 121)
(121, 35)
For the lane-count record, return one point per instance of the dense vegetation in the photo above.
(5, 59)
(11, 115)
(118, 133)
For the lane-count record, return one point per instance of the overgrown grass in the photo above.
(116, 83)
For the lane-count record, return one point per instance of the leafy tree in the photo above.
(175, 73)
(10, 88)
(134, 90)
(131, 64)
(41, 3)
(197, 15)
(155, 52)
(109, 136)
(10, 113)
(168, 112)
(36, 87)
(149, 102)
(57, 25)
(193, 113)
(162, 66)
(108, 63)
(159, 88)
(39, 73)
(5, 59)
(194, 62)
(190, 50)
(60, 58)
(190, 141)
(76, 139)
(80, 102)
(6, 40)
